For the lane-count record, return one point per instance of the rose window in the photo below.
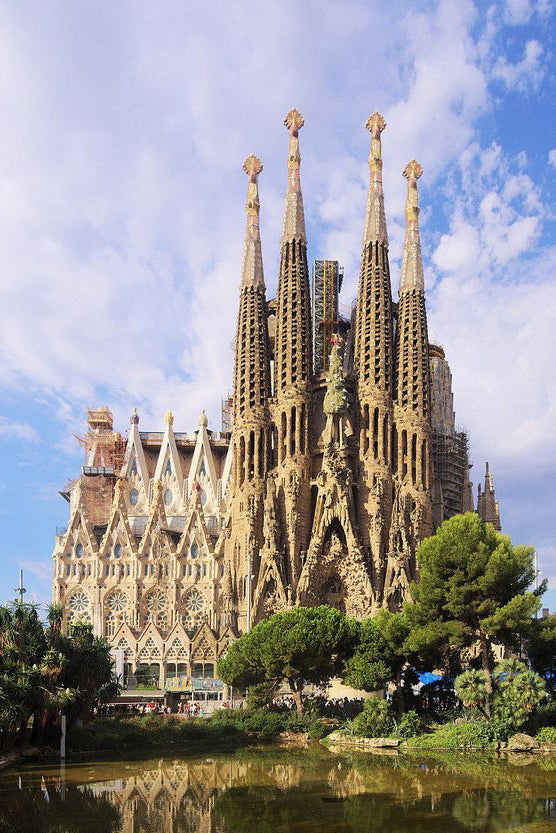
(156, 602)
(194, 602)
(117, 602)
(79, 603)
(156, 609)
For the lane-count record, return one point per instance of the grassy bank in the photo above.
(223, 730)
(151, 732)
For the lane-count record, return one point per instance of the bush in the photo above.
(408, 725)
(547, 735)
(479, 734)
(375, 721)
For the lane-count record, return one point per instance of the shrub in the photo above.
(476, 735)
(408, 725)
(375, 721)
(547, 735)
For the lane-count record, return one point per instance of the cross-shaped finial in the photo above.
(412, 170)
(294, 121)
(252, 165)
(376, 124)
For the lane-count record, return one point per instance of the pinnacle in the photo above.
(376, 124)
(294, 121)
(252, 165)
(413, 170)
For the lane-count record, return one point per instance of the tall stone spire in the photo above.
(251, 432)
(412, 265)
(292, 359)
(375, 217)
(252, 273)
(252, 360)
(373, 356)
(373, 330)
(412, 372)
(412, 349)
(293, 365)
(294, 217)
(487, 506)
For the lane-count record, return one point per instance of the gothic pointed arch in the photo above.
(202, 469)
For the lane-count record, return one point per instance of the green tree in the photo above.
(540, 646)
(381, 655)
(301, 645)
(44, 672)
(472, 590)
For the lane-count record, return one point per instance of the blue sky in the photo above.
(124, 128)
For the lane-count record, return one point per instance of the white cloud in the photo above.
(525, 74)
(17, 430)
(552, 157)
(518, 11)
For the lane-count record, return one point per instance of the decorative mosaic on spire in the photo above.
(412, 266)
(294, 216)
(375, 217)
(252, 273)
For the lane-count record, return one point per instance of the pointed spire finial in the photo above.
(169, 418)
(203, 421)
(375, 217)
(412, 276)
(134, 418)
(294, 217)
(294, 121)
(252, 273)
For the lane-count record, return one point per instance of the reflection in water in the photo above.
(282, 791)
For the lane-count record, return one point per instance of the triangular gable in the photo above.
(123, 640)
(227, 471)
(150, 643)
(153, 534)
(195, 519)
(203, 459)
(176, 645)
(204, 643)
(169, 454)
(134, 459)
(118, 525)
(227, 636)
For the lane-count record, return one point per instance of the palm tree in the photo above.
(471, 690)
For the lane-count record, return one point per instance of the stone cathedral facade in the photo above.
(323, 490)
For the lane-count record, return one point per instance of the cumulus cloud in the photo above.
(552, 157)
(522, 75)
(17, 430)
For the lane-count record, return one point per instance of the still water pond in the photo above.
(283, 791)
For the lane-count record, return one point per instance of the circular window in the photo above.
(156, 601)
(194, 550)
(168, 497)
(118, 551)
(79, 551)
(117, 602)
(133, 497)
(194, 601)
(79, 602)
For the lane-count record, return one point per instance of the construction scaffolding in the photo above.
(104, 451)
(326, 285)
(450, 456)
(227, 414)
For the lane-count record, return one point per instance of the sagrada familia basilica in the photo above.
(331, 475)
